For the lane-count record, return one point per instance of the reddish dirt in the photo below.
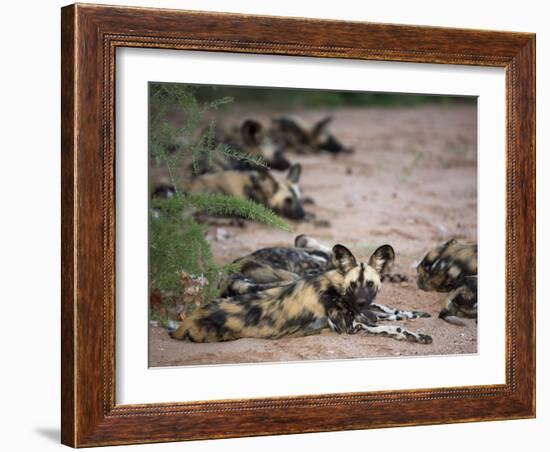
(411, 183)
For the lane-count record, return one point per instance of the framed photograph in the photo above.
(273, 225)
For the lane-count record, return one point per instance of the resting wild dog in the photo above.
(294, 135)
(270, 267)
(284, 197)
(308, 257)
(334, 299)
(452, 267)
(250, 137)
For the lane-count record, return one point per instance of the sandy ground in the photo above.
(411, 183)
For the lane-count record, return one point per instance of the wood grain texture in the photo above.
(90, 36)
(67, 226)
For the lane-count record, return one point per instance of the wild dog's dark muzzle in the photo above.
(363, 298)
(294, 212)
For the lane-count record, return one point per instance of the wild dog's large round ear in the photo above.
(382, 259)
(343, 259)
(320, 126)
(250, 132)
(294, 173)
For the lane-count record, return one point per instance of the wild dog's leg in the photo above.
(344, 321)
(340, 320)
(239, 285)
(263, 273)
(450, 318)
(243, 286)
(388, 313)
(461, 303)
(254, 277)
(395, 332)
(310, 217)
(305, 241)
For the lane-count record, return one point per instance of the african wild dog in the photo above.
(308, 257)
(284, 197)
(255, 140)
(249, 137)
(452, 267)
(294, 135)
(333, 299)
(270, 267)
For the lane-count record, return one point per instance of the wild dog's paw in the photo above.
(453, 320)
(424, 338)
(393, 277)
(417, 337)
(368, 317)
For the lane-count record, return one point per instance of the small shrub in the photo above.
(180, 256)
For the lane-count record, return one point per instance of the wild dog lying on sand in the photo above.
(249, 137)
(270, 267)
(452, 267)
(335, 299)
(295, 136)
(284, 197)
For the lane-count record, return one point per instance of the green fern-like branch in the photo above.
(230, 206)
(255, 160)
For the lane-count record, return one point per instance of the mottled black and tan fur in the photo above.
(283, 197)
(452, 268)
(334, 299)
(250, 137)
(274, 265)
(294, 135)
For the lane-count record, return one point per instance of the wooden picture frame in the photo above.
(90, 36)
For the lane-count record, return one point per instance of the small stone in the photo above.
(222, 234)
(442, 229)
